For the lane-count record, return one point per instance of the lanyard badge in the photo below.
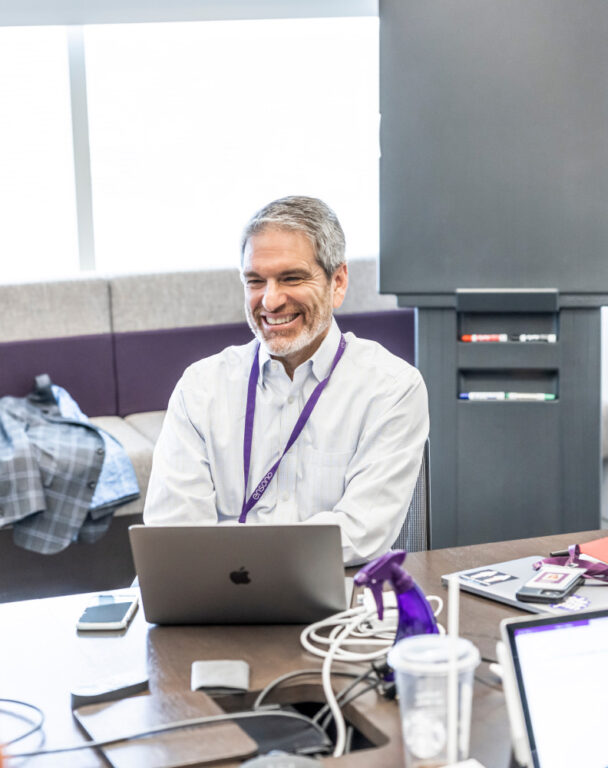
(592, 570)
(249, 503)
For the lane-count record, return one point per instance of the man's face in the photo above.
(289, 299)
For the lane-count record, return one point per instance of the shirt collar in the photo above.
(321, 360)
(324, 356)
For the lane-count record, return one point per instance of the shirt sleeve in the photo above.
(181, 489)
(381, 476)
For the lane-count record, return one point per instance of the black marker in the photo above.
(550, 338)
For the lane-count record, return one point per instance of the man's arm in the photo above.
(180, 489)
(381, 476)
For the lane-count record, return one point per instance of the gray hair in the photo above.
(303, 214)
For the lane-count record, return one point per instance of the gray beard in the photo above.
(283, 347)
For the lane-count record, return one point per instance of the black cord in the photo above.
(347, 699)
(298, 673)
(174, 726)
(491, 684)
(344, 692)
(350, 732)
(36, 725)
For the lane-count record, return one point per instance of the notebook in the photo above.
(239, 574)
(500, 581)
(556, 682)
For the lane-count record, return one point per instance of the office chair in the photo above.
(415, 533)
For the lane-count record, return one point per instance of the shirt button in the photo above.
(100, 451)
(285, 497)
(290, 400)
(91, 483)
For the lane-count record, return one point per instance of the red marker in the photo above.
(484, 337)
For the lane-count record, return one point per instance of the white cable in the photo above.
(332, 702)
(344, 626)
(349, 628)
(353, 619)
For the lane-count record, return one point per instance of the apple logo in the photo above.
(241, 576)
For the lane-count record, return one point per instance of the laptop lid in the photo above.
(239, 574)
(559, 669)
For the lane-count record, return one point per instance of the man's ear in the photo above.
(339, 282)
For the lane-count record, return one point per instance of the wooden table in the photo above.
(42, 657)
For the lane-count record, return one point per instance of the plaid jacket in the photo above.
(49, 467)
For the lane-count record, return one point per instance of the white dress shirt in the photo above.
(355, 463)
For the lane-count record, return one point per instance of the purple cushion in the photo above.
(394, 329)
(149, 363)
(84, 365)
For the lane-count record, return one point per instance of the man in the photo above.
(350, 418)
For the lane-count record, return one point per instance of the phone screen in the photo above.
(108, 612)
(551, 583)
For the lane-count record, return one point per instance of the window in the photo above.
(192, 126)
(38, 235)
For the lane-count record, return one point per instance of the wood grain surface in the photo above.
(42, 657)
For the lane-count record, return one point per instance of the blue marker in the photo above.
(483, 395)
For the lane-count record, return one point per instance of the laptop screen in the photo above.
(561, 667)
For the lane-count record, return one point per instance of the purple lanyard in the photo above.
(299, 426)
(593, 570)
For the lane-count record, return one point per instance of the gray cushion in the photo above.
(176, 300)
(215, 297)
(148, 423)
(76, 307)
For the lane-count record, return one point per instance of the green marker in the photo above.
(529, 396)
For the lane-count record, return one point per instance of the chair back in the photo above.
(415, 533)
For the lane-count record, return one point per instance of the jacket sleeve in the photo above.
(22, 473)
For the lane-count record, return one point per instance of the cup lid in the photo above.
(432, 654)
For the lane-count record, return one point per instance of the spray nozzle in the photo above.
(384, 568)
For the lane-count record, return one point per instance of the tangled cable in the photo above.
(349, 630)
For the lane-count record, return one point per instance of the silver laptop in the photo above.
(556, 682)
(500, 581)
(239, 574)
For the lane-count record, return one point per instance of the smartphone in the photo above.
(551, 584)
(108, 612)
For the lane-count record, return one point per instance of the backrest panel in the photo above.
(84, 365)
(149, 363)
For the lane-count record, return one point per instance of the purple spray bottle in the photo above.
(415, 615)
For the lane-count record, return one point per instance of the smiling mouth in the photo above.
(278, 321)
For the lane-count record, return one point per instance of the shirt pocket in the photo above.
(324, 478)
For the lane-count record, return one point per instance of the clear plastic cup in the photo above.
(422, 666)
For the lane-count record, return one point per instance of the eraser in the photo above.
(220, 676)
